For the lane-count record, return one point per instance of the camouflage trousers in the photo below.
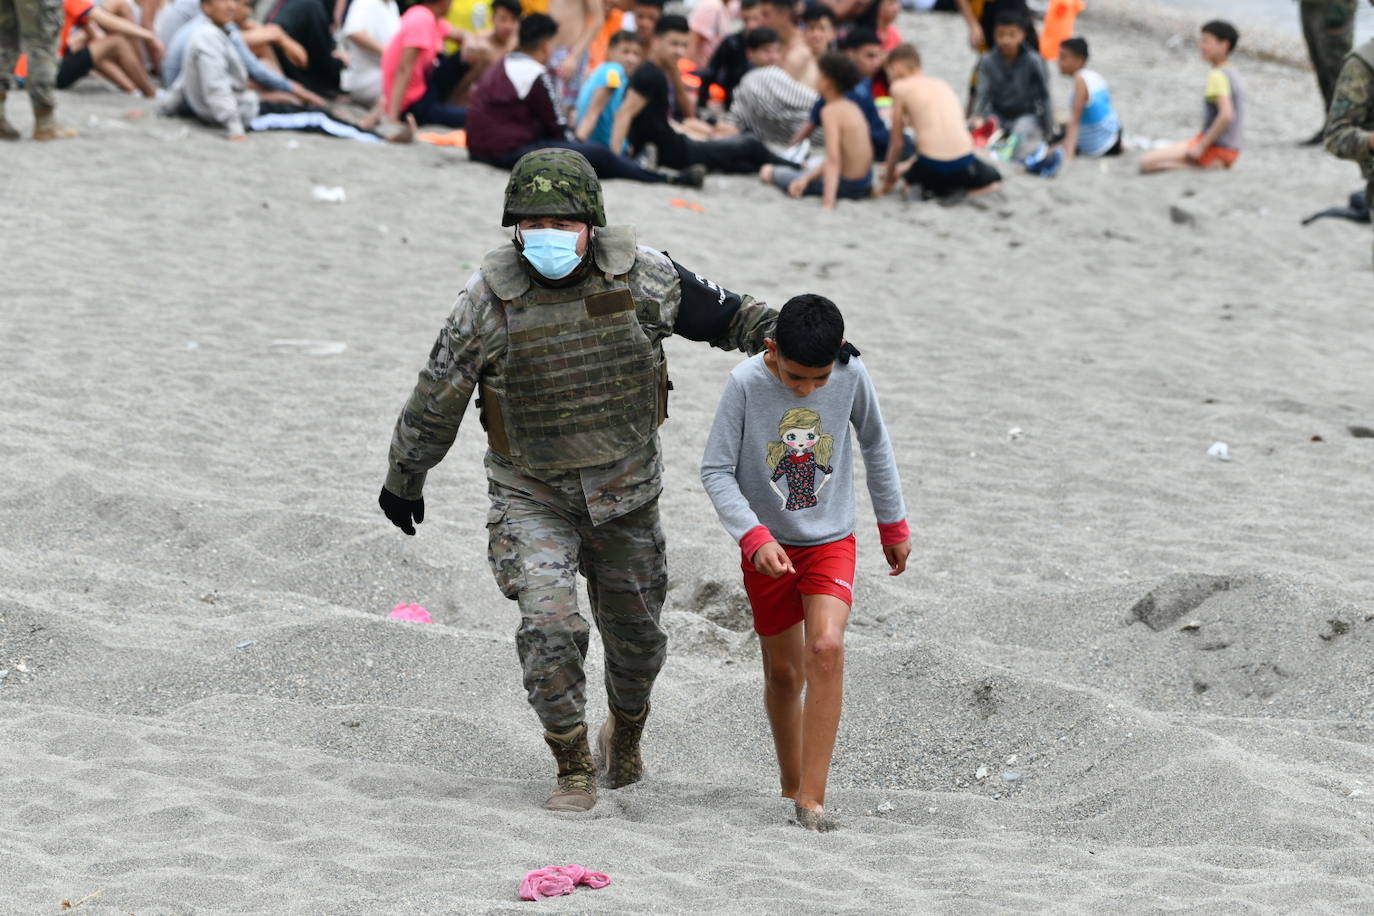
(1328, 27)
(537, 543)
(31, 27)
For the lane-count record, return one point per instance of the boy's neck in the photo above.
(1221, 61)
(1009, 58)
(831, 96)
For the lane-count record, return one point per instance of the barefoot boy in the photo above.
(847, 169)
(1218, 146)
(945, 165)
(784, 420)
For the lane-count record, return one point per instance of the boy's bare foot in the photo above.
(814, 819)
(404, 132)
(766, 174)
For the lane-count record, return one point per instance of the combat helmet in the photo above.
(554, 182)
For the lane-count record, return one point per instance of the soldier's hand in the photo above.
(772, 560)
(402, 511)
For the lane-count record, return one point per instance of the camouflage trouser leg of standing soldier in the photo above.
(1328, 26)
(536, 550)
(31, 27)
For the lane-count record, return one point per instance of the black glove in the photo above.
(401, 511)
(847, 349)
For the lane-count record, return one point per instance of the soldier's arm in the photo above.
(1352, 107)
(429, 422)
(709, 312)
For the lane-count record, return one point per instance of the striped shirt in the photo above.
(771, 105)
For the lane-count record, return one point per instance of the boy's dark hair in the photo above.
(1011, 17)
(1078, 47)
(672, 24)
(656, 4)
(757, 38)
(624, 37)
(535, 29)
(858, 37)
(749, 4)
(816, 12)
(842, 72)
(1223, 31)
(904, 53)
(810, 328)
(511, 6)
(787, 5)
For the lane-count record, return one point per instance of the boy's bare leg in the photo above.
(1173, 156)
(784, 675)
(766, 174)
(826, 617)
(115, 57)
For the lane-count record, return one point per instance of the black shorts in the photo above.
(942, 178)
(75, 65)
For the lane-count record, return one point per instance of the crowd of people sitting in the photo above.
(822, 98)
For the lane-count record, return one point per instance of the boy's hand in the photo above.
(895, 554)
(771, 560)
(1195, 151)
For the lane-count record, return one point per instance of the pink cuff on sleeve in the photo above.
(753, 539)
(891, 533)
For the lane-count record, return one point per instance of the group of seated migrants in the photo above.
(822, 99)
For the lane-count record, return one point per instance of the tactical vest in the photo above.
(581, 383)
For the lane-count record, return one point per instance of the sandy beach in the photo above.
(1121, 676)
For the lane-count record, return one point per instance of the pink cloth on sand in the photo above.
(557, 880)
(413, 612)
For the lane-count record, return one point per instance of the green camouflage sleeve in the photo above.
(1352, 114)
(429, 422)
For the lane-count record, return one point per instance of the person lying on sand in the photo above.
(797, 548)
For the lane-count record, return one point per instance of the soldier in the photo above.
(32, 27)
(560, 333)
(1328, 27)
(1350, 125)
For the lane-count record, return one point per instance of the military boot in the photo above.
(576, 773)
(45, 126)
(619, 746)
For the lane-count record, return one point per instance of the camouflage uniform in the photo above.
(565, 501)
(1328, 26)
(31, 27)
(1351, 118)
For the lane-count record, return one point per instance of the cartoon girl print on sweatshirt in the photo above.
(802, 449)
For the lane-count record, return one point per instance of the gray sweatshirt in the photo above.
(1011, 90)
(213, 83)
(785, 463)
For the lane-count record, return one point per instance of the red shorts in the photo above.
(826, 569)
(1223, 154)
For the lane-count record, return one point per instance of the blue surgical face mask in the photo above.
(552, 252)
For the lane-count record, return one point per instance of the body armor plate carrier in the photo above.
(581, 383)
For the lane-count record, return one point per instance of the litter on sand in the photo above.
(557, 880)
(686, 205)
(328, 195)
(312, 347)
(1220, 450)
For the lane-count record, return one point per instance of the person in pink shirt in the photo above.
(416, 78)
(711, 21)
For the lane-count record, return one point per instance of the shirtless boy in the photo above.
(847, 169)
(797, 59)
(945, 165)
